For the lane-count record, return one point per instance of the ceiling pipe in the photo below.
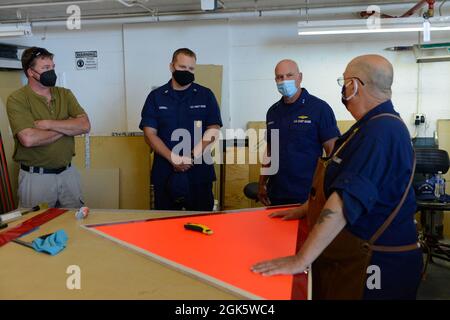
(420, 4)
(409, 13)
(430, 12)
(135, 3)
(440, 7)
(230, 14)
(126, 3)
(47, 4)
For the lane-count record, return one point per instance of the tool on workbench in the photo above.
(82, 213)
(51, 243)
(198, 227)
(17, 214)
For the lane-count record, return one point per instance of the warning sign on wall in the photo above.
(86, 60)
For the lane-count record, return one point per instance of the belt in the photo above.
(43, 170)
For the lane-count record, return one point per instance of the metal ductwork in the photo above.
(10, 57)
(436, 52)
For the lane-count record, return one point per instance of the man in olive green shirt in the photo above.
(44, 120)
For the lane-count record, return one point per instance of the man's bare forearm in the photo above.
(263, 180)
(32, 137)
(329, 146)
(331, 221)
(69, 127)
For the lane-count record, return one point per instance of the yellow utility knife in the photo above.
(198, 227)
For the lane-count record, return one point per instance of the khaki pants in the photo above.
(58, 190)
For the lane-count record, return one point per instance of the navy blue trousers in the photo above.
(201, 198)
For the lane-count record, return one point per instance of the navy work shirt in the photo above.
(303, 128)
(371, 174)
(166, 110)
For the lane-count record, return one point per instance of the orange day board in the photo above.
(239, 240)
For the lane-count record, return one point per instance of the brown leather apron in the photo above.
(340, 272)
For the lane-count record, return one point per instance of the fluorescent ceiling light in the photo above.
(307, 28)
(15, 30)
(208, 5)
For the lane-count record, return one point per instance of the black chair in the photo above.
(251, 190)
(430, 161)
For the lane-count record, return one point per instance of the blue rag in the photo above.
(53, 244)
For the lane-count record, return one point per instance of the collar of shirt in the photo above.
(302, 99)
(43, 98)
(168, 90)
(385, 107)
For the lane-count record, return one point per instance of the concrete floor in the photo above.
(436, 284)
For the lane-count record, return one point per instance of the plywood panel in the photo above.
(235, 181)
(443, 129)
(256, 148)
(211, 76)
(9, 82)
(236, 177)
(132, 156)
(100, 188)
(344, 125)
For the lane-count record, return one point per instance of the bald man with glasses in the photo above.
(363, 241)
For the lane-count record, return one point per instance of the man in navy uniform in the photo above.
(182, 179)
(306, 125)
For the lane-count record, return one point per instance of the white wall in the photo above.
(148, 53)
(248, 51)
(256, 48)
(101, 92)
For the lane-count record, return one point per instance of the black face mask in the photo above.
(47, 78)
(344, 102)
(183, 77)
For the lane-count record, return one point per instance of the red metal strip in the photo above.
(300, 283)
(7, 180)
(29, 224)
(3, 204)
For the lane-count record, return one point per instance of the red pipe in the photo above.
(367, 14)
(431, 7)
(411, 11)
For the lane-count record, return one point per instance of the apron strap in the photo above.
(357, 129)
(394, 213)
(396, 210)
(344, 143)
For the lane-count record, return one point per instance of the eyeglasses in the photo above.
(36, 53)
(341, 81)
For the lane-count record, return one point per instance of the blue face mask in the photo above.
(287, 88)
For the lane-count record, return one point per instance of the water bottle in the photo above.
(216, 205)
(442, 186)
(439, 185)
